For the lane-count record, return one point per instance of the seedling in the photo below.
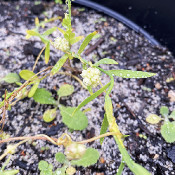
(168, 127)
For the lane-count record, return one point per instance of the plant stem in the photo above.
(121, 167)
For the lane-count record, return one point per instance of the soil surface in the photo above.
(133, 99)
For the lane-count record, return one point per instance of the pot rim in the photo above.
(118, 17)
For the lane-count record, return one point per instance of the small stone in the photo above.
(156, 156)
(171, 95)
(158, 86)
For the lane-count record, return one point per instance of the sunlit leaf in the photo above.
(130, 73)
(61, 30)
(153, 119)
(76, 39)
(47, 53)
(104, 128)
(49, 31)
(86, 42)
(49, 115)
(27, 74)
(59, 64)
(105, 61)
(33, 89)
(92, 97)
(32, 33)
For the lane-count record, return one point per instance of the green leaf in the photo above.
(43, 165)
(47, 53)
(49, 115)
(33, 89)
(130, 73)
(172, 115)
(67, 22)
(86, 42)
(92, 97)
(168, 131)
(32, 33)
(27, 74)
(11, 78)
(43, 96)
(59, 64)
(49, 31)
(9, 172)
(60, 157)
(77, 122)
(104, 128)
(153, 119)
(105, 61)
(76, 39)
(164, 111)
(90, 157)
(62, 31)
(65, 90)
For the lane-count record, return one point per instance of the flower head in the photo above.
(91, 77)
(61, 44)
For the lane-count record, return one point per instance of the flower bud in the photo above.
(91, 77)
(75, 151)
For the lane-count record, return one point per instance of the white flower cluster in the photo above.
(61, 44)
(91, 77)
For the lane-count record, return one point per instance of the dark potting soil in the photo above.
(133, 99)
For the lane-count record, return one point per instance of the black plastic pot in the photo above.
(155, 19)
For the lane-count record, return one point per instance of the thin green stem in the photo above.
(121, 167)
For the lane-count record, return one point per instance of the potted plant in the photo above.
(35, 84)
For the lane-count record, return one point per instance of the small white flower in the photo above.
(61, 44)
(91, 77)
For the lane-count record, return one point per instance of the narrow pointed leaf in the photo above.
(105, 61)
(92, 97)
(77, 122)
(76, 39)
(32, 33)
(59, 64)
(104, 128)
(130, 73)
(90, 157)
(49, 31)
(47, 53)
(61, 30)
(33, 89)
(9, 172)
(86, 42)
